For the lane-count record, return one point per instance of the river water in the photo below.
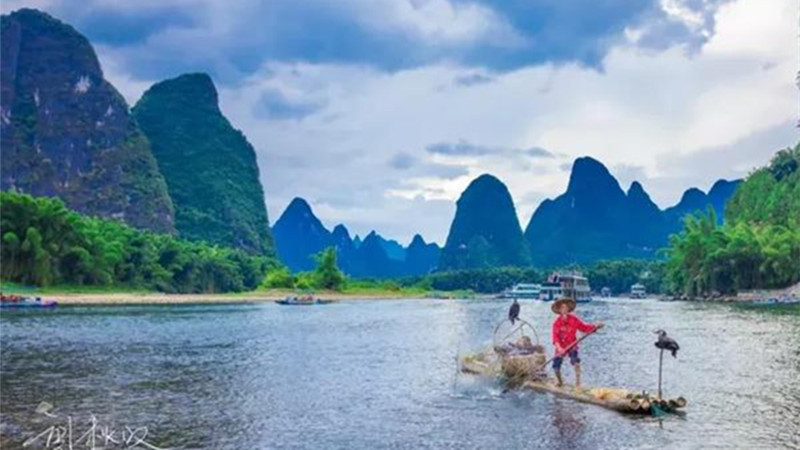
(382, 374)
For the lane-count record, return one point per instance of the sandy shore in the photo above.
(155, 298)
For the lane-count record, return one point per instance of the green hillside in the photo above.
(210, 168)
(759, 245)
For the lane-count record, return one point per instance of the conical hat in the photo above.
(557, 305)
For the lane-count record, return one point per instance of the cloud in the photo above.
(539, 152)
(628, 173)
(464, 148)
(472, 79)
(273, 104)
(677, 92)
(402, 161)
(232, 40)
(460, 148)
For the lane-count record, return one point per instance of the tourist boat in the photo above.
(16, 301)
(569, 284)
(522, 290)
(605, 292)
(304, 300)
(638, 291)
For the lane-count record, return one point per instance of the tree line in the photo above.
(758, 247)
(44, 243)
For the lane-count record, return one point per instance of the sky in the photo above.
(380, 112)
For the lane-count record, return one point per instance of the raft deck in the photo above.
(622, 400)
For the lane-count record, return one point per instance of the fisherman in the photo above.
(565, 329)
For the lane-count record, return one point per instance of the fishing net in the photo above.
(518, 351)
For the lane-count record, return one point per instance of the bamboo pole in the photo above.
(660, 366)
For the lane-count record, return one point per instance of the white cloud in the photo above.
(439, 21)
(661, 114)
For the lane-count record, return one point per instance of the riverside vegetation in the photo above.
(757, 247)
(44, 244)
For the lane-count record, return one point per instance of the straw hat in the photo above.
(556, 306)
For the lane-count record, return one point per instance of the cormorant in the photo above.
(667, 343)
(513, 312)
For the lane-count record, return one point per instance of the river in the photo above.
(382, 374)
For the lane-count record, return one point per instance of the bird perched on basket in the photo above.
(667, 343)
(513, 312)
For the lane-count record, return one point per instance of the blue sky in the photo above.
(380, 112)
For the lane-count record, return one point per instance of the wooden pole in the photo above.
(570, 347)
(660, 364)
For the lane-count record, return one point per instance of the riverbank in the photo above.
(748, 296)
(88, 295)
(155, 298)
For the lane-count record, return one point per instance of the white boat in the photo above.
(522, 290)
(570, 284)
(638, 291)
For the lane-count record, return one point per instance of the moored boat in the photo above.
(303, 301)
(522, 290)
(569, 284)
(16, 301)
(638, 291)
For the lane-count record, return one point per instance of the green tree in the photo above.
(327, 273)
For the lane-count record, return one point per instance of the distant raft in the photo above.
(16, 301)
(304, 301)
(526, 372)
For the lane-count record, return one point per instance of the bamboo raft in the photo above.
(527, 372)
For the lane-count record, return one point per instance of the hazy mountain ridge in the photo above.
(594, 219)
(299, 235)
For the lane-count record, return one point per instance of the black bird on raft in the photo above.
(513, 312)
(667, 343)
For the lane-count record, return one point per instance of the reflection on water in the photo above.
(382, 374)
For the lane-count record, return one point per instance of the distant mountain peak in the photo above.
(299, 205)
(724, 187)
(417, 240)
(637, 194)
(195, 88)
(485, 230)
(589, 173)
(636, 189)
(693, 195)
(340, 231)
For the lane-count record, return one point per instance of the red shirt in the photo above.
(565, 330)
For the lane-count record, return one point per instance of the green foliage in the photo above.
(759, 245)
(44, 243)
(366, 286)
(327, 273)
(279, 279)
(483, 280)
(209, 166)
(85, 149)
(305, 281)
(619, 275)
(770, 195)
